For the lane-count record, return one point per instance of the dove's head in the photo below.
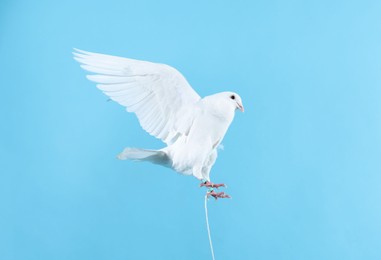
(224, 103)
(235, 100)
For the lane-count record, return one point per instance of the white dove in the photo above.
(169, 109)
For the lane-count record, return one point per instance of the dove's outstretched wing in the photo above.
(158, 94)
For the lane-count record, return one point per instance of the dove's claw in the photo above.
(217, 195)
(209, 184)
(211, 192)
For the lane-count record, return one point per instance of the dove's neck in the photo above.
(217, 107)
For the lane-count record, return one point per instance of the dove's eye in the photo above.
(232, 97)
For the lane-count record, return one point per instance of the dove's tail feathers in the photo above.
(153, 156)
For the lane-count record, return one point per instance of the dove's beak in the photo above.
(240, 107)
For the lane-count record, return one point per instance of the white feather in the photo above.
(168, 108)
(131, 82)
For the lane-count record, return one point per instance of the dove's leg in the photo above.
(208, 164)
(206, 172)
(197, 172)
(218, 195)
(209, 184)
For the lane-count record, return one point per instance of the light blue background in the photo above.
(302, 163)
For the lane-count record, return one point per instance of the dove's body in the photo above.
(196, 152)
(168, 108)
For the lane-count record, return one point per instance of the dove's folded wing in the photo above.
(158, 94)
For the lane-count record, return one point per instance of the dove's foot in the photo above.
(218, 195)
(209, 184)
